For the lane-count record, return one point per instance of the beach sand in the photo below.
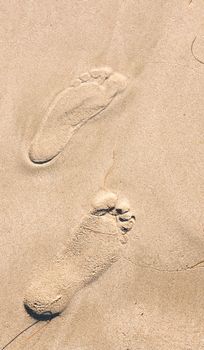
(143, 142)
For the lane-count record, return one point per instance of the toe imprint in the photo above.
(96, 245)
(87, 96)
(85, 77)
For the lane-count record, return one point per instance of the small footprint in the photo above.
(95, 247)
(87, 96)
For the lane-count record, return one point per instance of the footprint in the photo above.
(87, 96)
(95, 247)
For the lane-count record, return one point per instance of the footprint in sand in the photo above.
(87, 96)
(95, 247)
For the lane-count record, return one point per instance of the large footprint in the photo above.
(95, 247)
(86, 98)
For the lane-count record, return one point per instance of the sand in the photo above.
(140, 140)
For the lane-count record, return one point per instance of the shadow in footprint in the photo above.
(46, 316)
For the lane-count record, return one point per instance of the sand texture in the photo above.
(101, 175)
